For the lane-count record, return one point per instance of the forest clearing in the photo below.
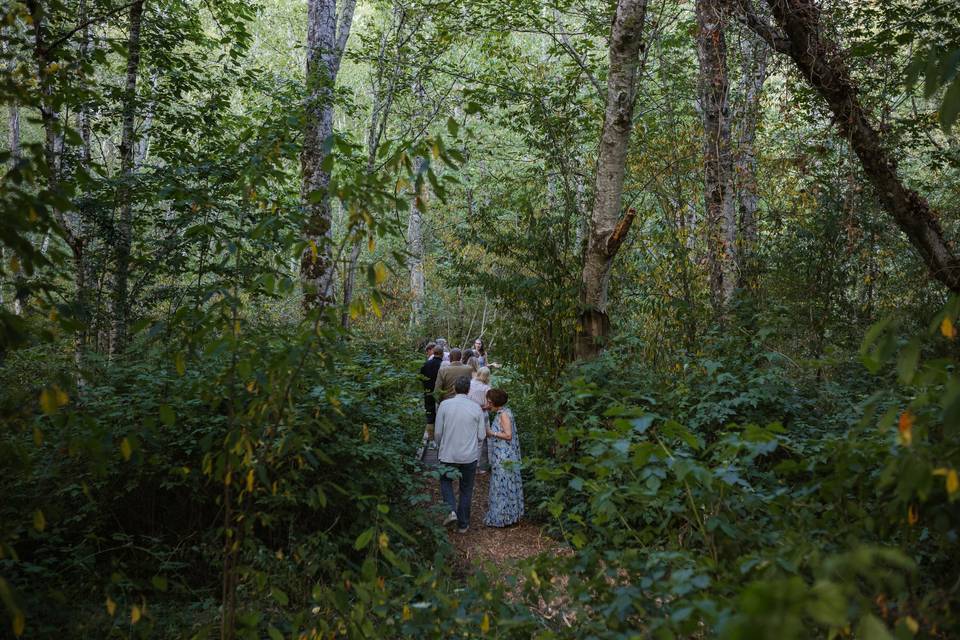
(548, 319)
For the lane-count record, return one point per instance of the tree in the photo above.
(607, 227)
(327, 35)
(714, 87)
(822, 63)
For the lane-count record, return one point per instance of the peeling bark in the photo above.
(626, 43)
(720, 218)
(327, 36)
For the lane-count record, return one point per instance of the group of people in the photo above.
(459, 402)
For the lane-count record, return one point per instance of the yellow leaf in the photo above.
(125, 449)
(111, 606)
(912, 516)
(39, 522)
(371, 243)
(135, 614)
(15, 263)
(380, 272)
(401, 184)
(180, 363)
(19, 623)
(376, 308)
(52, 398)
(912, 624)
(314, 250)
(947, 329)
(227, 478)
(366, 433)
(953, 482)
(383, 540)
(250, 480)
(905, 427)
(485, 623)
(406, 613)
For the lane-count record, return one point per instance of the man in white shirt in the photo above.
(459, 429)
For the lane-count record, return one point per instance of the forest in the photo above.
(709, 248)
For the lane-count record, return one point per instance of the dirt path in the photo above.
(501, 547)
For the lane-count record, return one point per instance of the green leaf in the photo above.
(279, 596)
(871, 628)
(908, 360)
(950, 107)
(363, 539)
(274, 633)
(453, 127)
(167, 416)
(827, 605)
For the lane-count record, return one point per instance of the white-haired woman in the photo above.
(478, 393)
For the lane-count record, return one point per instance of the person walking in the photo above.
(451, 372)
(459, 428)
(478, 393)
(506, 486)
(428, 376)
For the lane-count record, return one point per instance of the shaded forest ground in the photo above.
(501, 548)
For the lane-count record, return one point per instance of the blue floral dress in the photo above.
(506, 487)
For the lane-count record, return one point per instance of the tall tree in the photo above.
(608, 228)
(822, 63)
(124, 228)
(713, 89)
(327, 35)
(754, 54)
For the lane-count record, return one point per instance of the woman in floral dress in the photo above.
(506, 487)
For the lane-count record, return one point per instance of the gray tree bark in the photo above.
(124, 228)
(713, 88)
(607, 228)
(415, 252)
(327, 35)
(753, 66)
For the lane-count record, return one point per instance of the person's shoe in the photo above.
(451, 519)
(463, 529)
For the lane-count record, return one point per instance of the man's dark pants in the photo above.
(467, 473)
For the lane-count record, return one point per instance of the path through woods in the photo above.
(501, 547)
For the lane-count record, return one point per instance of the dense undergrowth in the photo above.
(736, 493)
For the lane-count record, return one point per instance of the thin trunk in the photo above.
(124, 230)
(823, 65)
(719, 215)
(326, 39)
(415, 261)
(13, 143)
(607, 228)
(754, 55)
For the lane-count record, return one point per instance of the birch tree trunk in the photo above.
(124, 230)
(13, 144)
(382, 102)
(326, 39)
(607, 228)
(415, 251)
(713, 88)
(754, 54)
(822, 64)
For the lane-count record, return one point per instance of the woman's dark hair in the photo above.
(483, 347)
(467, 354)
(497, 397)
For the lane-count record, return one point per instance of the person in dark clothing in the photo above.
(428, 376)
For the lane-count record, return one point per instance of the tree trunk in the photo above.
(713, 88)
(13, 143)
(381, 104)
(607, 228)
(754, 54)
(326, 40)
(822, 63)
(124, 231)
(415, 251)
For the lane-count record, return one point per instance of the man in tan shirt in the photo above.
(448, 374)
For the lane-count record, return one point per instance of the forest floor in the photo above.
(501, 547)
